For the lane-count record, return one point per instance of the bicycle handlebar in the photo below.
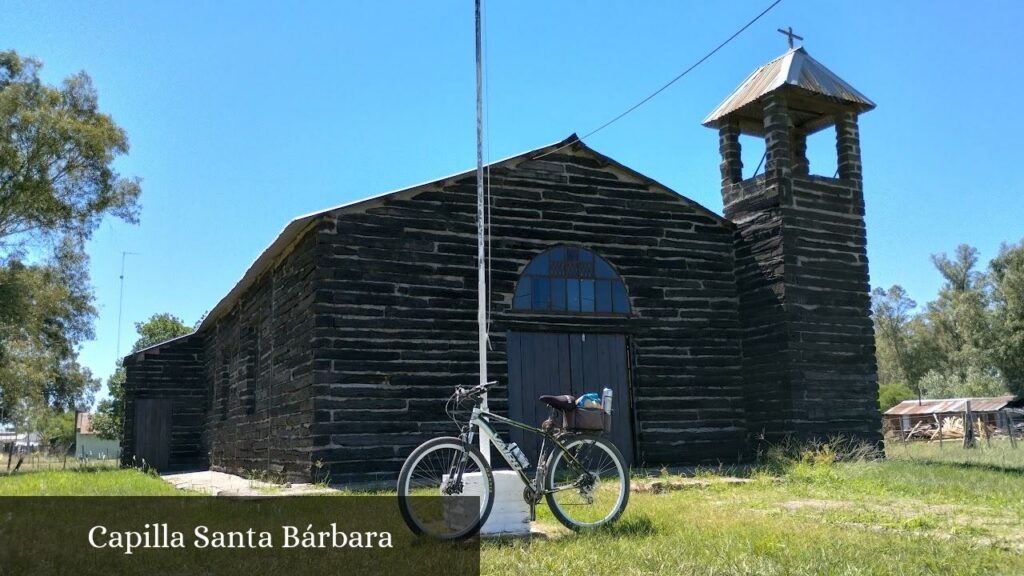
(475, 391)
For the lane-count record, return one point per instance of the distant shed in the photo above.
(907, 414)
(88, 442)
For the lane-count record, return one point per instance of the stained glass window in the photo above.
(571, 279)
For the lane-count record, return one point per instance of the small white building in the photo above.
(89, 444)
(23, 441)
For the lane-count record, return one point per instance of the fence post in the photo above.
(969, 440)
(1008, 416)
(988, 434)
(939, 420)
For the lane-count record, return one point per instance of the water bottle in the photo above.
(606, 400)
(514, 449)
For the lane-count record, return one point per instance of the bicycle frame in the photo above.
(482, 420)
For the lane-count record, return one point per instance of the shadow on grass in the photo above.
(632, 527)
(1013, 470)
(639, 525)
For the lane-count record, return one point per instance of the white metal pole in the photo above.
(481, 312)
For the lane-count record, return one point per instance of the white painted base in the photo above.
(510, 514)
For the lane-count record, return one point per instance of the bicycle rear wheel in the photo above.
(445, 491)
(591, 493)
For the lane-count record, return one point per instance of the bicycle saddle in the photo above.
(565, 402)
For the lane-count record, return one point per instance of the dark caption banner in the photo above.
(224, 536)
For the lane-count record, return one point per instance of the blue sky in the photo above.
(243, 115)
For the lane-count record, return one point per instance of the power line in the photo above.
(670, 82)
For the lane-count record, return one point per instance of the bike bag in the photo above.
(587, 420)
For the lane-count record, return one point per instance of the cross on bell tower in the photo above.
(788, 32)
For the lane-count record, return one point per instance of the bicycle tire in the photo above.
(569, 441)
(409, 466)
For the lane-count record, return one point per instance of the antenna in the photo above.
(120, 304)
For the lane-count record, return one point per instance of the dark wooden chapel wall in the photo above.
(258, 373)
(395, 309)
(829, 307)
(173, 371)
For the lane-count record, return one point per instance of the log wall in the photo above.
(396, 309)
(171, 371)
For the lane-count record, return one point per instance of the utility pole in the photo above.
(481, 313)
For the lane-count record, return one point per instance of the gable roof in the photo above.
(794, 68)
(296, 229)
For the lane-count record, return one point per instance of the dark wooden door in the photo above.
(544, 363)
(153, 431)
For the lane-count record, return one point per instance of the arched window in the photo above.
(571, 279)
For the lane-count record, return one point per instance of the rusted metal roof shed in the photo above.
(951, 406)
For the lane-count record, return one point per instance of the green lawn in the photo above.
(996, 453)
(34, 462)
(911, 514)
(85, 483)
(893, 517)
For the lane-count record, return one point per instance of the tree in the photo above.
(57, 183)
(899, 349)
(1006, 272)
(159, 328)
(892, 394)
(959, 321)
(46, 312)
(56, 156)
(977, 382)
(110, 412)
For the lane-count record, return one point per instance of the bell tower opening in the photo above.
(789, 104)
(820, 153)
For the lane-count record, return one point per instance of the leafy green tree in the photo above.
(902, 352)
(56, 427)
(893, 393)
(109, 417)
(977, 382)
(57, 183)
(1007, 276)
(46, 313)
(56, 157)
(959, 321)
(110, 412)
(159, 328)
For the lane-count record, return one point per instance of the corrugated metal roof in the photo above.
(794, 68)
(949, 405)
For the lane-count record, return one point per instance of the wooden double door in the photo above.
(557, 363)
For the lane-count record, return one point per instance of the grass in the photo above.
(912, 514)
(37, 461)
(921, 511)
(95, 482)
(995, 454)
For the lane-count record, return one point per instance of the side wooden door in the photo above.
(153, 432)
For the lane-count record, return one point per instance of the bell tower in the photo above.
(801, 260)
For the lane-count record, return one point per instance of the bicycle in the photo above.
(580, 474)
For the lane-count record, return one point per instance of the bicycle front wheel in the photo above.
(589, 489)
(444, 490)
